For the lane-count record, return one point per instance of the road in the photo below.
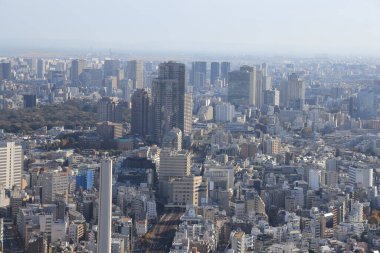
(160, 238)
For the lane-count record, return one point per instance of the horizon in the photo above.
(293, 27)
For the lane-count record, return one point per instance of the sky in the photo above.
(216, 26)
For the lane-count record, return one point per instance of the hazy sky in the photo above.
(234, 26)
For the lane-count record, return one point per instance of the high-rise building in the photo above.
(225, 68)
(215, 72)
(173, 139)
(11, 160)
(242, 86)
(54, 186)
(109, 130)
(224, 112)
(76, 69)
(105, 207)
(107, 109)
(110, 67)
(135, 72)
(198, 75)
(187, 113)
(258, 86)
(237, 239)
(5, 70)
(360, 177)
(185, 190)
(40, 68)
(271, 97)
(1, 235)
(84, 179)
(141, 103)
(172, 164)
(171, 106)
(295, 92)
(30, 100)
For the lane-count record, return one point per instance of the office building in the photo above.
(105, 207)
(237, 240)
(172, 164)
(224, 112)
(11, 162)
(91, 77)
(30, 100)
(294, 92)
(198, 75)
(185, 191)
(215, 72)
(76, 69)
(37, 243)
(271, 97)
(171, 106)
(40, 68)
(360, 177)
(271, 146)
(141, 106)
(225, 69)
(84, 179)
(110, 82)
(242, 86)
(107, 109)
(5, 71)
(173, 139)
(1, 235)
(135, 72)
(109, 130)
(110, 67)
(54, 186)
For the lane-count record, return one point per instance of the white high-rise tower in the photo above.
(10, 164)
(105, 210)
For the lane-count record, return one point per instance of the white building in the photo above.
(105, 210)
(360, 177)
(224, 112)
(314, 179)
(11, 160)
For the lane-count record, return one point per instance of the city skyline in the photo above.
(216, 27)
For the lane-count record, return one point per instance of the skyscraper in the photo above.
(215, 72)
(198, 74)
(141, 100)
(54, 185)
(172, 164)
(271, 97)
(105, 207)
(242, 86)
(295, 92)
(170, 104)
(5, 70)
(76, 69)
(40, 68)
(30, 100)
(135, 73)
(11, 160)
(110, 67)
(107, 109)
(225, 69)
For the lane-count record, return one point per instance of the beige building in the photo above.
(135, 72)
(173, 164)
(185, 190)
(54, 185)
(237, 239)
(109, 130)
(272, 146)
